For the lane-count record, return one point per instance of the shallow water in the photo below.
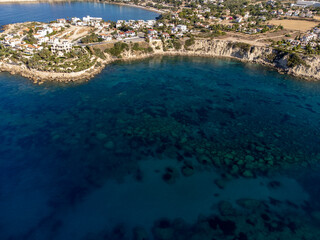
(45, 12)
(160, 139)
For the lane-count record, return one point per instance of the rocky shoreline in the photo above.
(201, 48)
(39, 76)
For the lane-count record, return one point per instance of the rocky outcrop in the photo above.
(311, 70)
(229, 49)
(40, 76)
(202, 47)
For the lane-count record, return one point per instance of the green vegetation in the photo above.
(284, 46)
(245, 47)
(30, 39)
(271, 57)
(295, 60)
(137, 47)
(91, 38)
(99, 53)
(53, 33)
(6, 52)
(235, 6)
(189, 42)
(177, 44)
(117, 49)
(309, 49)
(74, 61)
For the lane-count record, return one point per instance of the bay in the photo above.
(45, 12)
(149, 148)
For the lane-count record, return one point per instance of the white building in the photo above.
(302, 3)
(106, 37)
(61, 46)
(56, 25)
(120, 23)
(43, 40)
(130, 34)
(61, 20)
(75, 20)
(91, 20)
(12, 42)
(151, 23)
(182, 28)
(43, 32)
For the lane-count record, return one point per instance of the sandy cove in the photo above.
(202, 48)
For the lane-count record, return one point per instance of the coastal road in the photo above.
(127, 40)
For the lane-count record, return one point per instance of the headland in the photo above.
(77, 49)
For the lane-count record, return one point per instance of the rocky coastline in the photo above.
(202, 48)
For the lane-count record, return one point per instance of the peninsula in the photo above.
(278, 34)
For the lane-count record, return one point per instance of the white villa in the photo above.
(106, 37)
(59, 46)
(91, 19)
(302, 3)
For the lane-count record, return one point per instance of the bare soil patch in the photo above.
(299, 25)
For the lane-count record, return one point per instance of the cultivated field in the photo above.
(299, 25)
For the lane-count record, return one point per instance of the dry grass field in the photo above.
(316, 17)
(299, 25)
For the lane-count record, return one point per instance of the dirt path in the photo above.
(251, 42)
(279, 36)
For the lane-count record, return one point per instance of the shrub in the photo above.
(99, 53)
(189, 42)
(295, 60)
(271, 57)
(30, 39)
(136, 47)
(243, 46)
(117, 49)
(91, 38)
(177, 45)
(150, 49)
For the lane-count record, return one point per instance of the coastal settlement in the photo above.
(286, 34)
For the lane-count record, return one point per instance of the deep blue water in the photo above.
(153, 144)
(45, 12)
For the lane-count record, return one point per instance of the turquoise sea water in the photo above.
(45, 12)
(165, 148)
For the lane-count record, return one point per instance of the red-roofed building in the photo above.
(130, 33)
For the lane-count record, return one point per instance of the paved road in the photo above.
(134, 39)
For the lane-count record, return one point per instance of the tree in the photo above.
(309, 49)
(91, 38)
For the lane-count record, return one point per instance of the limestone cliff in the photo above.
(311, 70)
(308, 69)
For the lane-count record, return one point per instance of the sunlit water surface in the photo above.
(45, 12)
